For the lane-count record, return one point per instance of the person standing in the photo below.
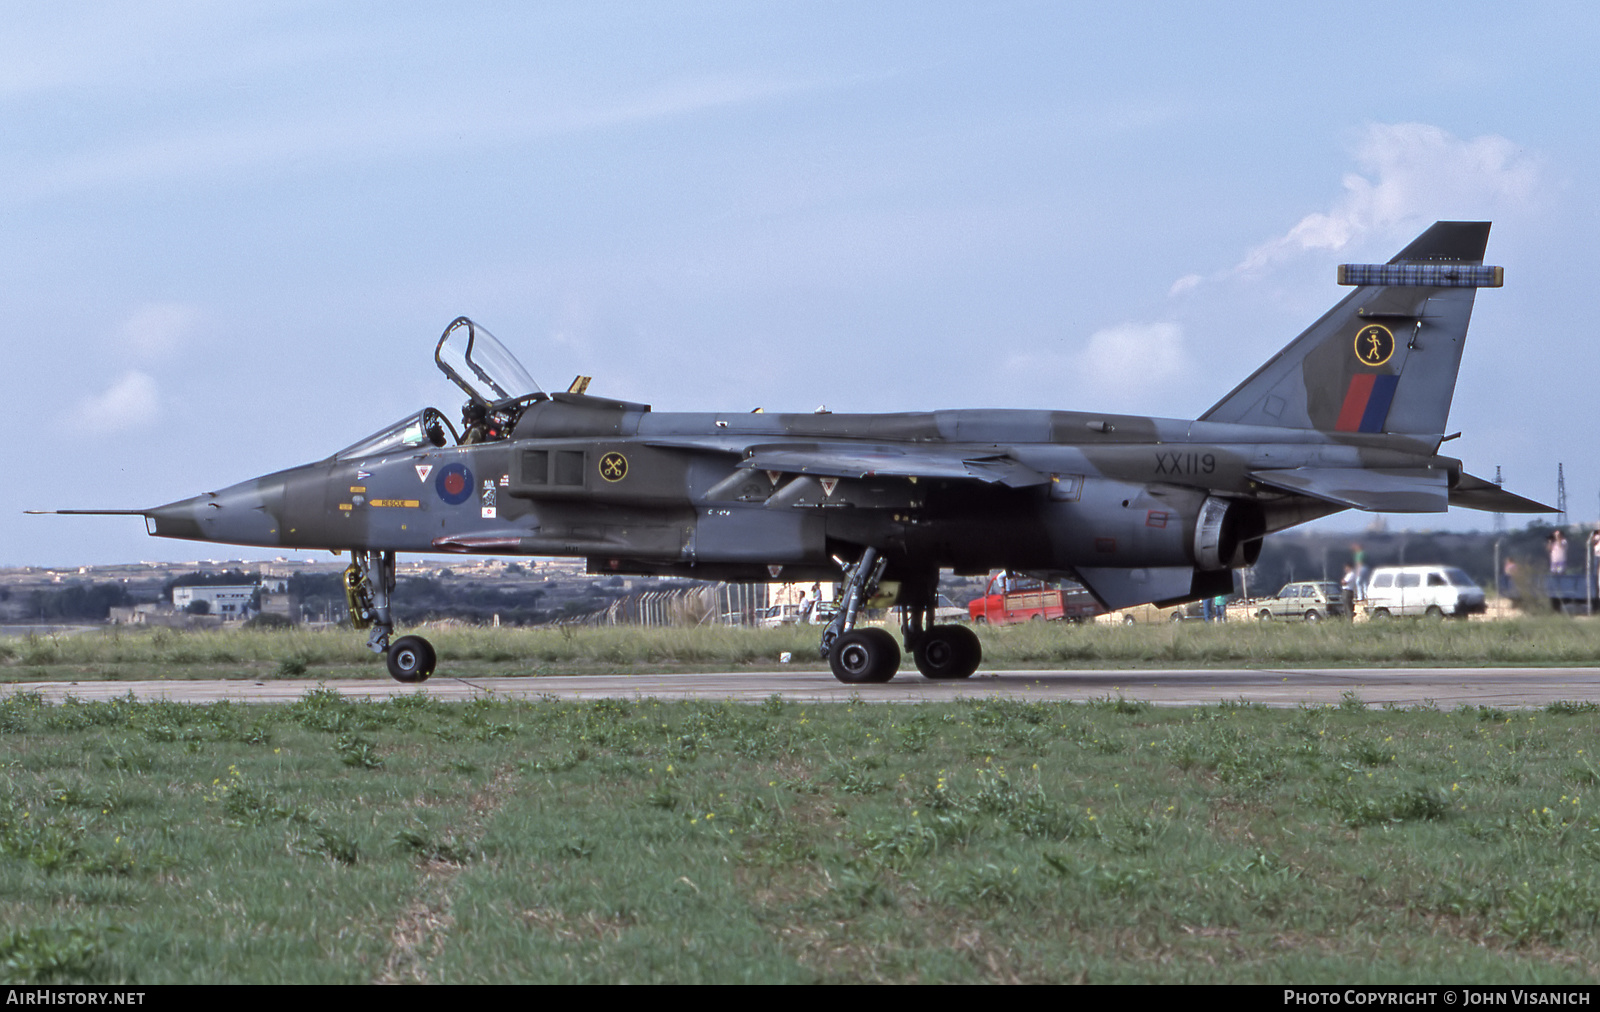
(1347, 592)
(1558, 552)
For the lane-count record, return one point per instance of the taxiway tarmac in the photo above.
(1443, 687)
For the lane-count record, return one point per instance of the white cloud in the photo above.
(1130, 367)
(158, 328)
(1133, 359)
(344, 135)
(1184, 284)
(1411, 174)
(130, 402)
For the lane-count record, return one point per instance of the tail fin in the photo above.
(1385, 358)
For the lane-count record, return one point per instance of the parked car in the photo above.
(1310, 601)
(1140, 613)
(1422, 590)
(944, 612)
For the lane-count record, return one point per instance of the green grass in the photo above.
(163, 653)
(993, 840)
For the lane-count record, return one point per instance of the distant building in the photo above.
(227, 602)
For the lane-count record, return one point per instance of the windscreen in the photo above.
(425, 428)
(481, 365)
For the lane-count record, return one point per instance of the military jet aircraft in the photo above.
(1349, 415)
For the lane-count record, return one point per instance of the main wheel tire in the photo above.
(410, 659)
(1435, 612)
(1313, 615)
(1128, 620)
(947, 652)
(1264, 615)
(864, 656)
(1381, 614)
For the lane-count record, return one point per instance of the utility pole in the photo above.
(1499, 518)
(1561, 493)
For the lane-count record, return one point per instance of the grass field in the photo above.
(498, 841)
(164, 653)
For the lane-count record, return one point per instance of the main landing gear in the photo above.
(368, 585)
(859, 656)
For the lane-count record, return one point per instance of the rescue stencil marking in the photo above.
(613, 466)
(1374, 344)
(423, 470)
(409, 504)
(454, 484)
(1155, 518)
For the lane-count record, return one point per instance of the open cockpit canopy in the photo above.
(481, 365)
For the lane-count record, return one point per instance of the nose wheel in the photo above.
(411, 659)
(368, 586)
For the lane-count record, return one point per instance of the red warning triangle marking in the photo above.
(422, 471)
(774, 570)
(773, 476)
(828, 485)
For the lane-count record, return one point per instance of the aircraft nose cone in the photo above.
(242, 514)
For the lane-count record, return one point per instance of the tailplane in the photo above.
(1385, 358)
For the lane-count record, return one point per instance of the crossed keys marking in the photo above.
(613, 467)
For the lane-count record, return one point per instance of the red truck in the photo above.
(1010, 598)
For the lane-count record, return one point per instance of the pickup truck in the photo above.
(1010, 598)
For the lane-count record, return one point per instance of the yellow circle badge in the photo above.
(1374, 344)
(613, 466)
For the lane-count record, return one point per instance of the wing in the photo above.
(1473, 493)
(859, 460)
(1385, 490)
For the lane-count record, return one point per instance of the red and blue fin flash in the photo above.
(1366, 403)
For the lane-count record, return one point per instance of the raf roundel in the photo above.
(454, 483)
(1374, 345)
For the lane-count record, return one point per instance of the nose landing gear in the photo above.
(368, 586)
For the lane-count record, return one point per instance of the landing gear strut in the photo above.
(859, 656)
(368, 585)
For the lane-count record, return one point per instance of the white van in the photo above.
(1422, 590)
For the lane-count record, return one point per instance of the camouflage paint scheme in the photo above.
(1350, 414)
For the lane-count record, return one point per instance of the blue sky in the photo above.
(230, 233)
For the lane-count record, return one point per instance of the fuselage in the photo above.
(643, 491)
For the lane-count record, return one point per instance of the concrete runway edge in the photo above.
(1445, 688)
